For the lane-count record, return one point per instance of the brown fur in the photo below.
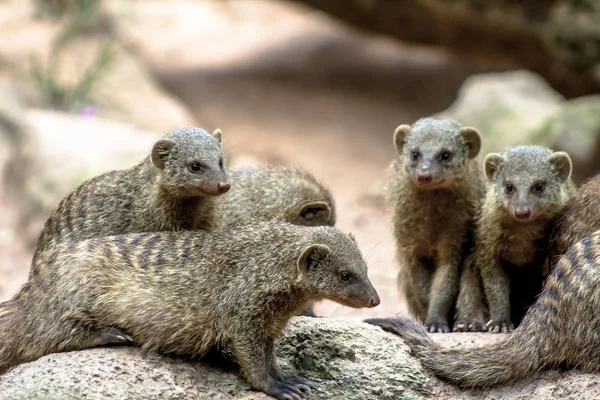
(434, 203)
(185, 292)
(528, 188)
(161, 193)
(561, 328)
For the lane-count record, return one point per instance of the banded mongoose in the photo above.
(581, 216)
(187, 291)
(561, 328)
(286, 193)
(527, 191)
(289, 194)
(173, 188)
(435, 189)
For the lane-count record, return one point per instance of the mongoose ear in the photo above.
(400, 135)
(351, 236)
(491, 164)
(562, 164)
(160, 151)
(217, 135)
(472, 140)
(311, 256)
(317, 209)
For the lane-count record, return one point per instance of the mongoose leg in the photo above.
(470, 305)
(103, 337)
(442, 296)
(414, 282)
(255, 355)
(291, 379)
(496, 284)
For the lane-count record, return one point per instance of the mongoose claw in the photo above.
(283, 391)
(464, 326)
(115, 336)
(437, 327)
(500, 326)
(295, 379)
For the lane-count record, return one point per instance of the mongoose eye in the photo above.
(221, 164)
(415, 155)
(195, 167)
(446, 156)
(539, 187)
(345, 276)
(509, 188)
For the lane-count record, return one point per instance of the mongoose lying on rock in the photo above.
(174, 188)
(286, 193)
(528, 189)
(185, 292)
(435, 188)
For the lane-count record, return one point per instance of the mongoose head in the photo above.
(191, 162)
(334, 269)
(435, 152)
(288, 194)
(529, 182)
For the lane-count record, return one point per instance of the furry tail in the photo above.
(509, 360)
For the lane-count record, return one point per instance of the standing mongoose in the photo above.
(286, 193)
(173, 188)
(435, 189)
(289, 194)
(581, 216)
(187, 291)
(561, 328)
(528, 189)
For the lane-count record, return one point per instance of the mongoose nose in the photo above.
(522, 213)
(375, 302)
(424, 177)
(223, 186)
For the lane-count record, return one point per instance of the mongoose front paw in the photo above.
(284, 391)
(468, 326)
(298, 380)
(436, 326)
(494, 326)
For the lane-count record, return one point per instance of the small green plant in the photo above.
(69, 97)
(54, 9)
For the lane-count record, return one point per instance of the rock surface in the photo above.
(505, 107)
(347, 359)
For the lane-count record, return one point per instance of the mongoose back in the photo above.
(581, 216)
(561, 328)
(435, 188)
(289, 194)
(187, 291)
(528, 189)
(173, 188)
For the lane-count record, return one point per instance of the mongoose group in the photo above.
(179, 255)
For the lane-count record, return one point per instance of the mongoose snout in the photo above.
(522, 213)
(224, 187)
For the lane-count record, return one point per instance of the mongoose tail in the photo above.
(556, 329)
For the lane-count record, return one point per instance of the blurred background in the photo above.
(87, 86)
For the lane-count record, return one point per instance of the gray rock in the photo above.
(505, 107)
(575, 128)
(347, 360)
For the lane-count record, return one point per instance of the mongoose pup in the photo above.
(528, 189)
(561, 328)
(173, 188)
(185, 292)
(581, 216)
(286, 193)
(435, 188)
